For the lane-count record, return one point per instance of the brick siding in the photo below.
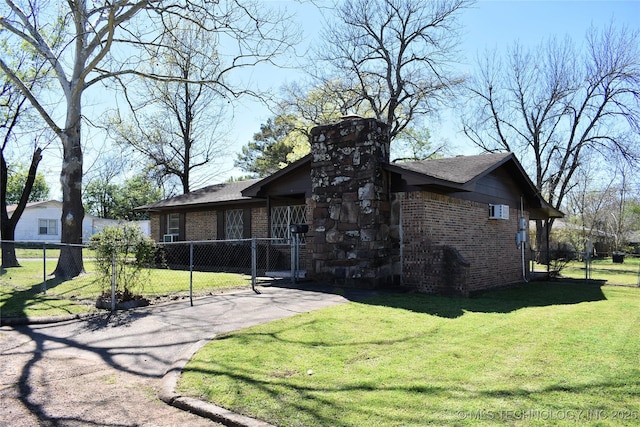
(201, 225)
(154, 226)
(436, 228)
(259, 222)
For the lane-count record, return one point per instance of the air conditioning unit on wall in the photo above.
(168, 238)
(498, 211)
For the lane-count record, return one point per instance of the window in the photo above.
(282, 217)
(48, 227)
(173, 224)
(234, 225)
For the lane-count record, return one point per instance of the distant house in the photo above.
(633, 238)
(570, 239)
(439, 226)
(40, 222)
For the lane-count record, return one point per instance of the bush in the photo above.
(132, 252)
(559, 258)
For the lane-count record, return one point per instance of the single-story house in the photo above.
(41, 222)
(440, 226)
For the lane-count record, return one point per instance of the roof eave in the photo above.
(156, 209)
(255, 189)
(418, 179)
(544, 213)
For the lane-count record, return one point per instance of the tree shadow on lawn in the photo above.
(313, 398)
(15, 302)
(20, 294)
(504, 300)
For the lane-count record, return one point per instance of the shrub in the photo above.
(559, 258)
(131, 251)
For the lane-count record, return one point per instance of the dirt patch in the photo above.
(50, 387)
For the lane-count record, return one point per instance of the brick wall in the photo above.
(154, 226)
(441, 232)
(201, 225)
(259, 222)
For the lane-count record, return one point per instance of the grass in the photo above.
(53, 253)
(532, 355)
(626, 273)
(21, 288)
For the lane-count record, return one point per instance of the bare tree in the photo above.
(102, 40)
(557, 106)
(177, 126)
(284, 138)
(618, 221)
(319, 103)
(396, 56)
(586, 208)
(603, 208)
(415, 144)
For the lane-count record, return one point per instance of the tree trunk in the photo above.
(70, 261)
(9, 258)
(543, 228)
(8, 225)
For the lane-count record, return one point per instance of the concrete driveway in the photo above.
(107, 370)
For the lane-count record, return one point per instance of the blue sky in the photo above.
(488, 24)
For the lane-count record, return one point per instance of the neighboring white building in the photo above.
(40, 221)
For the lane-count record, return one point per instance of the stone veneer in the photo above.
(350, 204)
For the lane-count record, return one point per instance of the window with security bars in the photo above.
(234, 225)
(282, 217)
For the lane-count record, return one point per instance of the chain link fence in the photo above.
(618, 268)
(178, 270)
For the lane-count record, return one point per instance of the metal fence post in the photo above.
(113, 282)
(297, 243)
(293, 258)
(191, 273)
(254, 265)
(587, 260)
(44, 268)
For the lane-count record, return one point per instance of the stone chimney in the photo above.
(351, 203)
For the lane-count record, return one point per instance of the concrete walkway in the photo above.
(107, 361)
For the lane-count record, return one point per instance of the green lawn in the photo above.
(544, 353)
(21, 288)
(52, 253)
(626, 273)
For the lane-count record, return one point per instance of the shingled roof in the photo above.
(218, 193)
(458, 170)
(462, 173)
(454, 174)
